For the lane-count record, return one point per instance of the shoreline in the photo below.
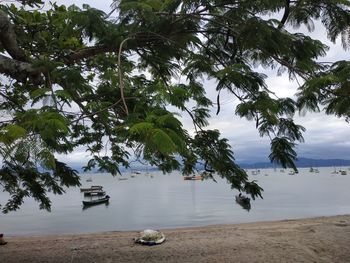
(173, 229)
(320, 239)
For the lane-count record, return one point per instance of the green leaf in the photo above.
(48, 160)
(11, 132)
(39, 93)
(162, 142)
(141, 128)
(282, 152)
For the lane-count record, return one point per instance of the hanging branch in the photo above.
(218, 102)
(285, 15)
(121, 83)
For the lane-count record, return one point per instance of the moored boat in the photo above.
(95, 193)
(93, 187)
(193, 177)
(96, 201)
(123, 178)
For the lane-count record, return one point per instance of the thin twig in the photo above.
(95, 112)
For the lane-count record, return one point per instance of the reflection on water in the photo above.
(167, 201)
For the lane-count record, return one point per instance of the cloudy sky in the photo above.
(326, 137)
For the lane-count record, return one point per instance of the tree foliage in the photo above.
(77, 77)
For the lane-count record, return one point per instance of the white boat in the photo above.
(94, 193)
(93, 187)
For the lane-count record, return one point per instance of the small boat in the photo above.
(96, 201)
(193, 177)
(123, 178)
(89, 180)
(134, 174)
(93, 187)
(243, 201)
(94, 193)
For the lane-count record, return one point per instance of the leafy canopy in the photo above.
(77, 77)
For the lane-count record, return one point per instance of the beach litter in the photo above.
(150, 237)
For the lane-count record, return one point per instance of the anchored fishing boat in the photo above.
(96, 201)
(93, 187)
(193, 177)
(95, 193)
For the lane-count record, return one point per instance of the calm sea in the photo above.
(167, 201)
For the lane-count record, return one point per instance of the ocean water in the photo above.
(167, 201)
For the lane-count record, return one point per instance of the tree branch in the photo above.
(8, 38)
(285, 15)
(19, 70)
(89, 52)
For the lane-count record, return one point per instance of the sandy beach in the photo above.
(324, 239)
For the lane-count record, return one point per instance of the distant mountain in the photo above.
(301, 162)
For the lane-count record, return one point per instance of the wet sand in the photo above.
(324, 239)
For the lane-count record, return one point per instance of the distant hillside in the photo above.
(301, 162)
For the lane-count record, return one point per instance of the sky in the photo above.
(326, 137)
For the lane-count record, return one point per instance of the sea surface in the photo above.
(158, 201)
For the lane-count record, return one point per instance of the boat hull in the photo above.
(193, 177)
(95, 193)
(96, 202)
